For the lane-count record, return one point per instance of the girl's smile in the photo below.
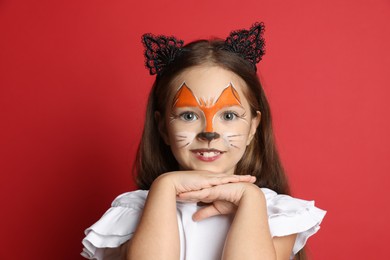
(207, 155)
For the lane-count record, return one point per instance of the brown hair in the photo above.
(260, 159)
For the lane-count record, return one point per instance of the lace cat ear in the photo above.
(160, 51)
(249, 44)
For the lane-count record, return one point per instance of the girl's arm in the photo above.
(284, 246)
(249, 235)
(157, 234)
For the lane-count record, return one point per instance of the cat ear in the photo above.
(249, 44)
(184, 97)
(160, 51)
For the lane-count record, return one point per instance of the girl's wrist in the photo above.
(164, 181)
(252, 193)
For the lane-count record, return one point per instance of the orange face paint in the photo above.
(185, 98)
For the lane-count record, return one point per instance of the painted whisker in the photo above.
(184, 145)
(234, 135)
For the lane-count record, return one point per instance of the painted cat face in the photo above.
(209, 123)
(185, 98)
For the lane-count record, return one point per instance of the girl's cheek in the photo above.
(234, 136)
(239, 126)
(184, 129)
(184, 139)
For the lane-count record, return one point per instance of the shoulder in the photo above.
(133, 199)
(287, 205)
(116, 226)
(288, 215)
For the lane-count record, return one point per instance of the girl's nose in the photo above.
(208, 136)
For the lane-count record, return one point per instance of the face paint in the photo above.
(185, 98)
(184, 138)
(209, 123)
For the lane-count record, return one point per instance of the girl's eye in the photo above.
(229, 116)
(188, 116)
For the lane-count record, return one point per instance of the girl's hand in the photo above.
(186, 181)
(224, 198)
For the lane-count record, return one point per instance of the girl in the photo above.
(211, 182)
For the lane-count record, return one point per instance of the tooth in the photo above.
(209, 154)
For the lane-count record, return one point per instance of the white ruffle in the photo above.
(286, 216)
(116, 226)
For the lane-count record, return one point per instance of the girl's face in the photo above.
(208, 121)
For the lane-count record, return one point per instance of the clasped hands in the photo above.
(222, 192)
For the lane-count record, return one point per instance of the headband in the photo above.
(161, 51)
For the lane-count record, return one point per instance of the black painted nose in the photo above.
(209, 136)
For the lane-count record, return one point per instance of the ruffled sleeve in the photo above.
(115, 227)
(288, 215)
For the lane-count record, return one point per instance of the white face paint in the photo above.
(233, 140)
(184, 139)
(209, 123)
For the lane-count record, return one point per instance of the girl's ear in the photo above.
(161, 127)
(254, 124)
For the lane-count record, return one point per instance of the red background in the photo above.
(72, 96)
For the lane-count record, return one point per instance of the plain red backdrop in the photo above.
(73, 89)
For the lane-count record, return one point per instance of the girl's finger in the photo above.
(194, 195)
(232, 179)
(205, 212)
(180, 199)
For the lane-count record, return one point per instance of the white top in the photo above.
(198, 240)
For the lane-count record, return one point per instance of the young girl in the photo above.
(211, 182)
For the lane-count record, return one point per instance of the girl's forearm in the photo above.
(249, 236)
(157, 235)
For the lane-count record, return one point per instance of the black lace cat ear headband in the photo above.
(161, 51)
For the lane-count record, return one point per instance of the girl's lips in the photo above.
(207, 155)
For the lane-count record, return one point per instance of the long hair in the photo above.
(261, 158)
